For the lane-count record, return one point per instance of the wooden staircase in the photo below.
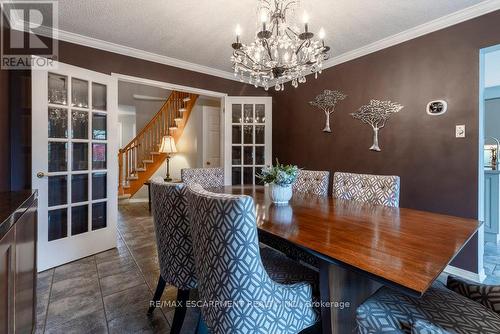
(140, 159)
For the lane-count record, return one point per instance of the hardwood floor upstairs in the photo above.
(140, 158)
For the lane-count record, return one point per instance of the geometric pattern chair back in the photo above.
(173, 235)
(373, 189)
(206, 177)
(230, 270)
(312, 182)
(391, 311)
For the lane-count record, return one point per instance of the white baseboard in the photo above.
(135, 200)
(469, 275)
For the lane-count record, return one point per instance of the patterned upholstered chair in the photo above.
(374, 189)
(312, 182)
(462, 307)
(308, 182)
(231, 272)
(206, 177)
(173, 239)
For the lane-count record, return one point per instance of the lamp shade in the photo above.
(167, 145)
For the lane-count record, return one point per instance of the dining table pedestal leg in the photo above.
(345, 290)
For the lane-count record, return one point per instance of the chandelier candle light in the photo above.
(280, 52)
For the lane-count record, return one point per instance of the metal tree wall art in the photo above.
(327, 101)
(376, 114)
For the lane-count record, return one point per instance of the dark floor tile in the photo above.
(139, 323)
(145, 251)
(151, 278)
(127, 302)
(112, 254)
(116, 266)
(148, 264)
(85, 267)
(140, 240)
(159, 323)
(190, 321)
(93, 323)
(122, 281)
(61, 310)
(44, 281)
(81, 286)
(42, 303)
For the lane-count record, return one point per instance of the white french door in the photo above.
(247, 138)
(74, 162)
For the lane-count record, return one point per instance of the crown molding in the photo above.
(446, 21)
(465, 14)
(62, 35)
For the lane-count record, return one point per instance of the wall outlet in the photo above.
(460, 131)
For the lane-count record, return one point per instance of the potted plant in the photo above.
(280, 179)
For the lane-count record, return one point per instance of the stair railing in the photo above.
(136, 154)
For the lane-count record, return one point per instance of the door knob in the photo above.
(208, 163)
(40, 175)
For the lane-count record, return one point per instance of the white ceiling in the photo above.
(201, 31)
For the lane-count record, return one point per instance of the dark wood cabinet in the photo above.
(18, 235)
(7, 278)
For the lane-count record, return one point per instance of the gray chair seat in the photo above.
(283, 270)
(389, 311)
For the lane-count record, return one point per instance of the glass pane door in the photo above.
(76, 181)
(77, 162)
(248, 124)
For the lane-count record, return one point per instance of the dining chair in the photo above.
(460, 307)
(173, 240)
(232, 274)
(312, 182)
(206, 177)
(374, 189)
(308, 182)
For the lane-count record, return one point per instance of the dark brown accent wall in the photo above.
(438, 172)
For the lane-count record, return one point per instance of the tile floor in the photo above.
(492, 263)
(109, 292)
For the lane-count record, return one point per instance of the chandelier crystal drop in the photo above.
(281, 52)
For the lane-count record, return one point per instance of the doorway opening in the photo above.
(489, 167)
(148, 111)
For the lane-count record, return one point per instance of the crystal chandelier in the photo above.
(281, 52)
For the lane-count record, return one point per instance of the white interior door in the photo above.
(247, 138)
(211, 137)
(74, 167)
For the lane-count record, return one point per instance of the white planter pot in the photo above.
(280, 194)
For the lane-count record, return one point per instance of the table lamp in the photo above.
(168, 146)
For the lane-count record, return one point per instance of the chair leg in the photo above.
(180, 311)
(157, 296)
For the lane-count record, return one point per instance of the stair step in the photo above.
(147, 161)
(124, 196)
(155, 153)
(126, 186)
(140, 170)
(133, 178)
(181, 110)
(173, 128)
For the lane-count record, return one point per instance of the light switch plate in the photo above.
(460, 131)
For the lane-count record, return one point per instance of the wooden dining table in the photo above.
(361, 247)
